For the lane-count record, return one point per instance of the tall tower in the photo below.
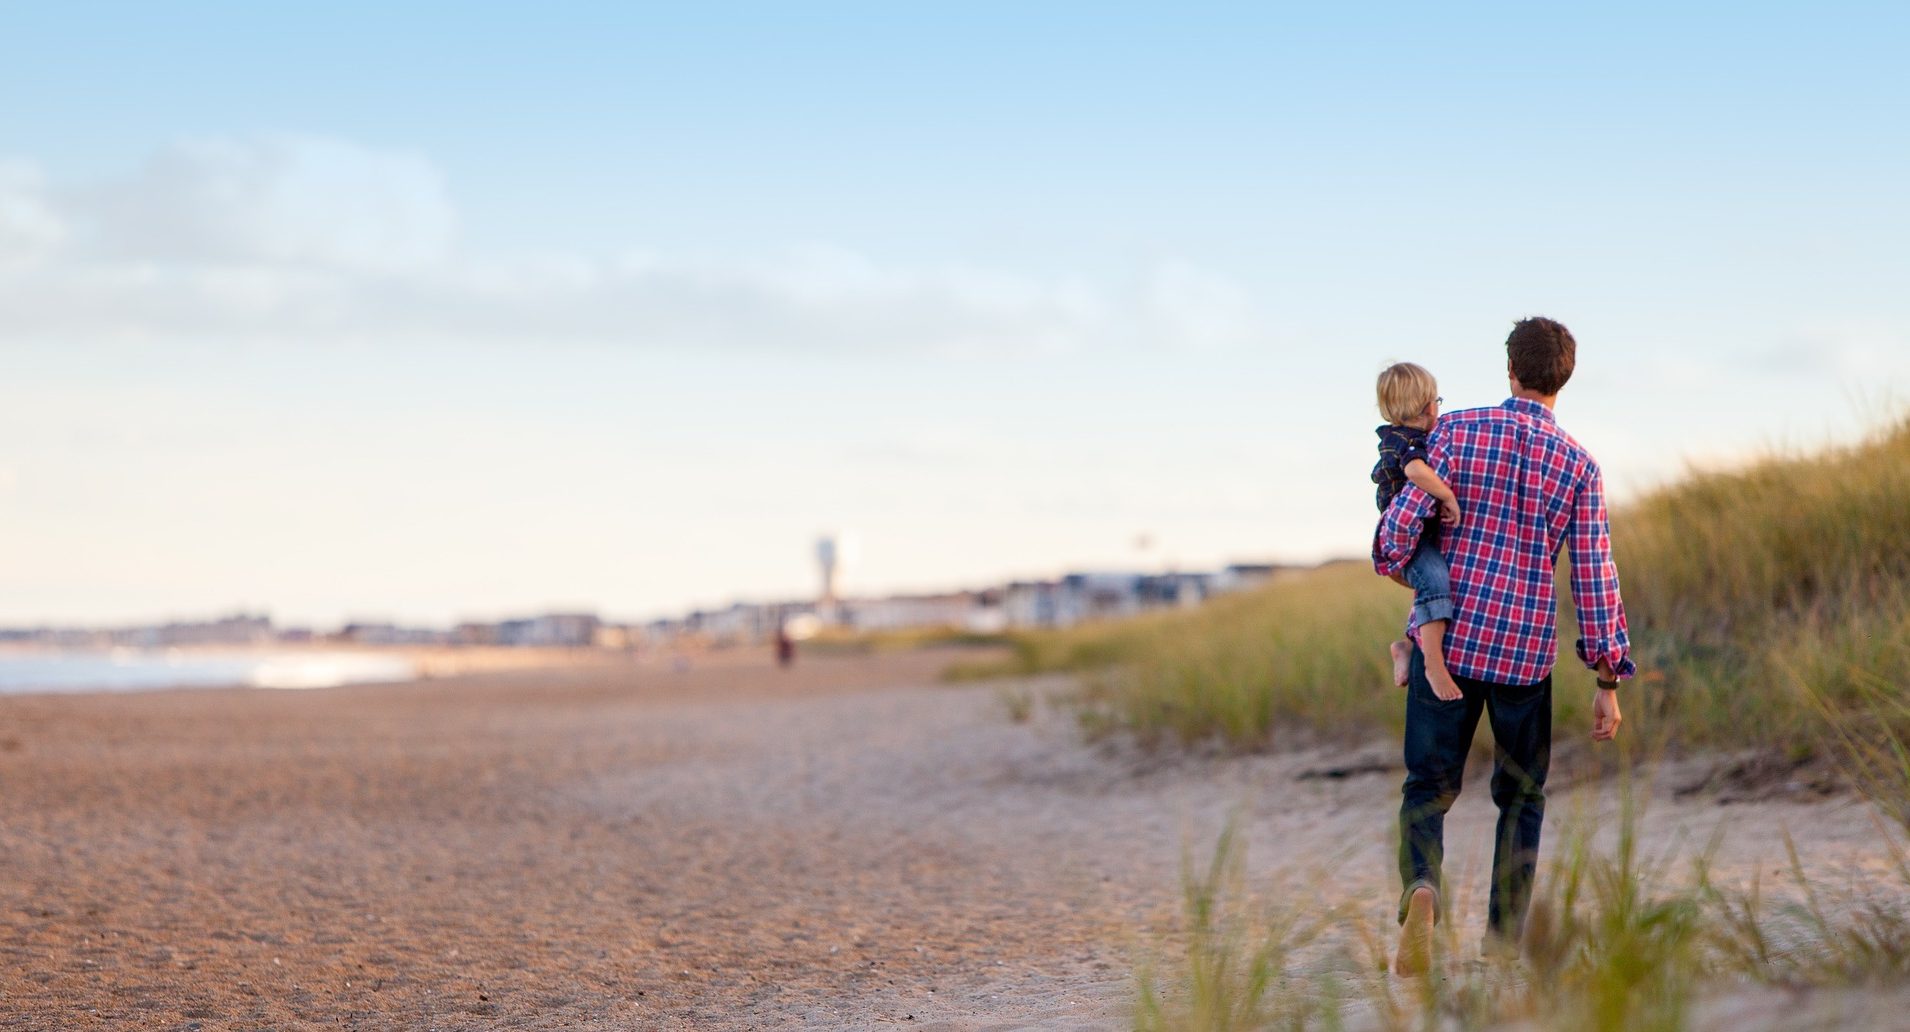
(828, 556)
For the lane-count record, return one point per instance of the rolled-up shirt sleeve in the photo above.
(1601, 611)
(1399, 527)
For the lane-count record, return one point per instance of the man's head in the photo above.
(1408, 395)
(1540, 354)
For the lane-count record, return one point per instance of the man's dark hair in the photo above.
(1542, 353)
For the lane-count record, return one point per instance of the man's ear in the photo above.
(1514, 377)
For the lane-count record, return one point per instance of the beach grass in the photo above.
(1769, 608)
(1616, 940)
(1231, 972)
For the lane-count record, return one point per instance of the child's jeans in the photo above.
(1432, 582)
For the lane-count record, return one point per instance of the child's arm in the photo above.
(1426, 480)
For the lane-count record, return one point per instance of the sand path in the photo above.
(844, 845)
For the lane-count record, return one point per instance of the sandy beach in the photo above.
(846, 844)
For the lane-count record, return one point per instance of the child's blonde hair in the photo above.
(1406, 391)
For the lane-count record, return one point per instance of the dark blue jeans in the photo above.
(1438, 737)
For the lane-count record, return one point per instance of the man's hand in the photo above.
(1449, 512)
(1605, 715)
(1399, 579)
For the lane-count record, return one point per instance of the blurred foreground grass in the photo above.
(1618, 940)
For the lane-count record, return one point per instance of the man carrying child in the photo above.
(1527, 490)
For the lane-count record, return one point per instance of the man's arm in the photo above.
(1604, 642)
(1399, 527)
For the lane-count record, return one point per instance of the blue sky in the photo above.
(441, 311)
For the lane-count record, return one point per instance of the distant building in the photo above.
(902, 612)
(473, 633)
(239, 629)
(383, 633)
(1246, 576)
(1099, 596)
(1178, 589)
(569, 630)
(1102, 596)
(1032, 604)
(743, 623)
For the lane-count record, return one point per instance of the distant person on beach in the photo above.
(785, 645)
(1409, 401)
(1527, 489)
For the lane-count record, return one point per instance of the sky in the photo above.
(430, 312)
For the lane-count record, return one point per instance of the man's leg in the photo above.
(1438, 737)
(1522, 729)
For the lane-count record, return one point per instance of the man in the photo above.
(1526, 489)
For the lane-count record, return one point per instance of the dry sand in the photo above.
(847, 844)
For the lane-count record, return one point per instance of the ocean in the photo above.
(133, 670)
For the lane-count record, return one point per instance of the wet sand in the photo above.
(848, 844)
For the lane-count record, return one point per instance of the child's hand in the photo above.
(1449, 513)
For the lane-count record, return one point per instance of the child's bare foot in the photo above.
(1414, 956)
(1402, 658)
(1442, 683)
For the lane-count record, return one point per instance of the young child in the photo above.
(1409, 399)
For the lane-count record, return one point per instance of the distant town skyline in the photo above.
(1062, 601)
(430, 314)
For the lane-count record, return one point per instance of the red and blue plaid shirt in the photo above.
(1525, 489)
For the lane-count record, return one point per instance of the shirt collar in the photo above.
(1529, 407)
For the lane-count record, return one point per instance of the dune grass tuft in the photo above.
(1229, 975)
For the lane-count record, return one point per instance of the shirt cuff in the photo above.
(1618, 655)
(1386, 561)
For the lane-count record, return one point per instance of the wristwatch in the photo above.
(1610, 686)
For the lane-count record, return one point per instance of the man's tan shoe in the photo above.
(1416, 935)
(1499, 949)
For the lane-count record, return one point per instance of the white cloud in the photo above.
(276, 199)
(293, 238)
(1866, 364)
(1854, 352)
(29, 226)
(1190, 305)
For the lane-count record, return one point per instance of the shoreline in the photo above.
(298, 666)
